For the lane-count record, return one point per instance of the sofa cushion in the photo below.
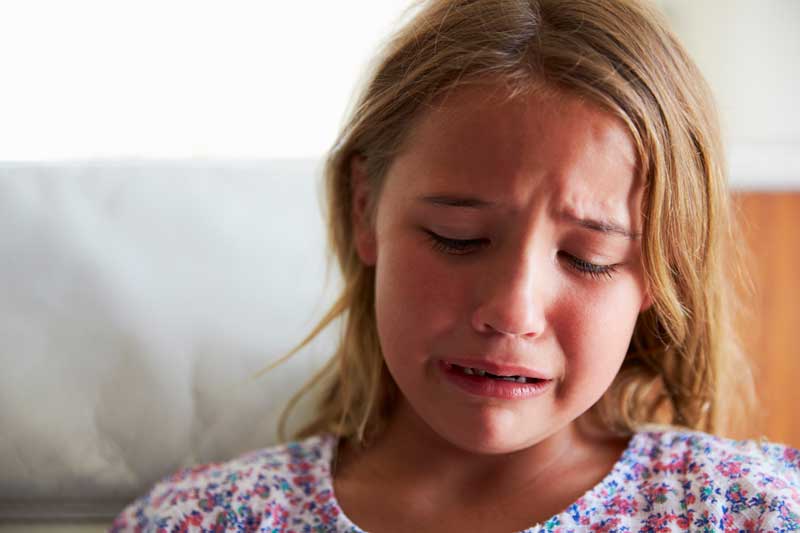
(139, 298)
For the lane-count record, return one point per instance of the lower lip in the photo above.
(493, 388)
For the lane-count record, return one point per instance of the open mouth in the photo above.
(500, 383)
(484, 374)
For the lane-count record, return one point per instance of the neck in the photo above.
(410, 454)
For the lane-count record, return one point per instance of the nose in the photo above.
(512, 298)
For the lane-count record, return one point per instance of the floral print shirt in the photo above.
(666, 480)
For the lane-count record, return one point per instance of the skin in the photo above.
(519, 295)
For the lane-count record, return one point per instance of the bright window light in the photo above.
(176, 78)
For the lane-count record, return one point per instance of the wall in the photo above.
(748, 50)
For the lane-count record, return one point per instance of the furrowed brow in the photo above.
(457, 201)
(603, 226)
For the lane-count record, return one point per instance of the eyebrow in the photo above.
(469, 202)
(602, 226)
(457, 201)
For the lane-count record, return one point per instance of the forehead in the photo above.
(508, 150)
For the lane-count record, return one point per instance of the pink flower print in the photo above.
(658, 523)
(261, 490)
(329, 514)
(676, 466)
(655, 493)
(300, 467)
(638, 470)
(791, 455)
(737, 497)
(730, 469)
(728, 525)
(323, 496)
(277, 512)
(305, 482)
(206, 504)
(620, 505)
(606, 526)
(194, 520)
(685, 521)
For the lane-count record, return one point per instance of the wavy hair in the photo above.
(618, 55)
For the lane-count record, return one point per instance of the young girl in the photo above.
(529, 210)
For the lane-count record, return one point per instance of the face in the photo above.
(508, 265)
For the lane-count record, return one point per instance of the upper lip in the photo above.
(497, 368)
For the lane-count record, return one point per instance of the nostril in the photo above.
(508, 320)
(531, 332)
(498, 330)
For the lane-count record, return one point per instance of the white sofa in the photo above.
(138, 299)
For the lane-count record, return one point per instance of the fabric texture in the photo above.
(135, 299)
(666, 480)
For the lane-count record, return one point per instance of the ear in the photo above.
(363, 224)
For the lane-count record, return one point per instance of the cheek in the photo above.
(417, 298)
(594, 329)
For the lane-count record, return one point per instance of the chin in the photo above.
(491, 435)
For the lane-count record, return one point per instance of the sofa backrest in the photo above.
(138, 299)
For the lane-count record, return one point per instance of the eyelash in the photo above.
(454, 246)
(465, 246)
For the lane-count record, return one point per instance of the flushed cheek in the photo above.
(417, 298)
(594, 337)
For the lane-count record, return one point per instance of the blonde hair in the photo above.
(620, 56)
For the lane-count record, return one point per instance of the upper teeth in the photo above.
(482, 373)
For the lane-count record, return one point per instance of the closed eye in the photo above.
(447, 245)
(444, 244)
(586, 268)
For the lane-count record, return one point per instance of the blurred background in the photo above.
(161, 238)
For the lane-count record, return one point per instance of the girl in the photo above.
(529, 210)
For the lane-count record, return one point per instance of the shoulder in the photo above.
(696, 453)
(269, 485)
(709, 482)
